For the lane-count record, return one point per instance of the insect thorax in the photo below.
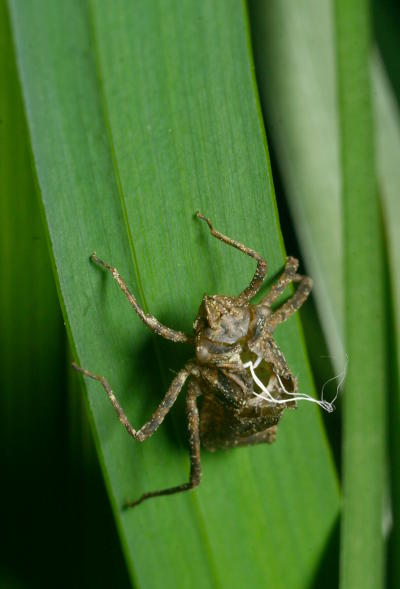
(227, 336)
(224, 329)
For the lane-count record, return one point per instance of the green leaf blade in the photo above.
(362, 549)
(296, 68)
(112, 184)
(388, 160)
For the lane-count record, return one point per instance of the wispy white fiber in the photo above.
(266, 390)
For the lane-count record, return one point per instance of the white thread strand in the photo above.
(257, 362)
(266, 392)
(341, 376)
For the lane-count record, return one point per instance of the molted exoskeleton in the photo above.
(239, 377)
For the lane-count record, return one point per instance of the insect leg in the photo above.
(149, 320)
(294, 303)
(158, 416)
(261, 269)
(287, 276)
(192, 414)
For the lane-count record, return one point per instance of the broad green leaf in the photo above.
(140, 114)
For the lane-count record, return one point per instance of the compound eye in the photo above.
(202, 353)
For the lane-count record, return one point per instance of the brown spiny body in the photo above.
(225, 406)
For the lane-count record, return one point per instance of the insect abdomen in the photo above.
(223, 427)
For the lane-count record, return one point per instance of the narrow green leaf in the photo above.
(296, 69)
(362, 558)
(298, 95)
(51, 493)
(388, 158)
(140, 115)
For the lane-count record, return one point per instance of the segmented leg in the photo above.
(158, 416)
(287, 276)
(294, 303)
(261, 269)
(149, 320)
(192, 414)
